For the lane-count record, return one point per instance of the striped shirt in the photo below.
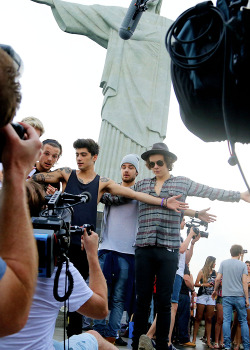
(159, 226)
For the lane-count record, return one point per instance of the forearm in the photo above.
(216, 285)
(18, 249)
(189, 253)
(189, 284)
(97, 282)
(189, 212)
(115, 189)
(245, 285)
(204, 191)
(108, 199)
(58, 175)
(245, 288)
(93, 21)
(185, 244)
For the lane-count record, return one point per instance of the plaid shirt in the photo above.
(159, 226)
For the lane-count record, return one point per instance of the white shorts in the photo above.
(84, 341)
(205, 299)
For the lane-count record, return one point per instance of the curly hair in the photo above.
(207, 268)
(10, 95)
(168, 160)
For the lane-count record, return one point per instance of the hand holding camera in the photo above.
(195, 224)
(19, 155)
(89, 242)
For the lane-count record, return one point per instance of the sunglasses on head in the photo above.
(158, 162)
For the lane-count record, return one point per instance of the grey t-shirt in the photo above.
(232, 271)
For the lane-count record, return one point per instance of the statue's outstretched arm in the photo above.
(45, 2)
(93, 21)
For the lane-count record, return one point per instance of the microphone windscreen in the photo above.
(232, 161)
(130, 22)
(86, 195)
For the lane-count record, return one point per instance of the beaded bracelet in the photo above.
(162, 202)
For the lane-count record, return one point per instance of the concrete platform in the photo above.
(58, 335)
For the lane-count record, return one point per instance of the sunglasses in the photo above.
(158, 162)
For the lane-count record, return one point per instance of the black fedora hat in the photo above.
(158, 148)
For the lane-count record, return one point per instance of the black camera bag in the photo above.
(209, 48)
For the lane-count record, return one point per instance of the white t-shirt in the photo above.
(39, 329)
(121, 226)
(181, 264)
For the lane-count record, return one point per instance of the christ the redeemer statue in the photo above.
(136, 77)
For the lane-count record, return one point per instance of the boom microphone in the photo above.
(132, 18)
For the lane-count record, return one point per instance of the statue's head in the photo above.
(154, 6)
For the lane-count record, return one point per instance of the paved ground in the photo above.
(58, 335)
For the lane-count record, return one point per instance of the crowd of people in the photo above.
(140, 252)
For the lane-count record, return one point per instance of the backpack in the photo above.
(209, 48)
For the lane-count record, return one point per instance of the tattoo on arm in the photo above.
(104, 179)
(38, 178)
(67, 170)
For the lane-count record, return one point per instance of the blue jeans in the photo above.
(184, 316)
(240, 305)
(84, 341)
(176, 288)
(116, 296)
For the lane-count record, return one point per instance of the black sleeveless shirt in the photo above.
(84, 213)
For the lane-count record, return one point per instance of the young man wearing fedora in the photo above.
(158, 240)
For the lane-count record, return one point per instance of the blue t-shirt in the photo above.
(2, 268)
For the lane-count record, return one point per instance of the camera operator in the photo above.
(89, 301)
(18, 253)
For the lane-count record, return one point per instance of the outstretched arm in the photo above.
(107, 185)
(45, 2)
(93, 21)
(245, 196)
(58, 175)
(202, 215)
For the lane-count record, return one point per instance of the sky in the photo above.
(60, 86)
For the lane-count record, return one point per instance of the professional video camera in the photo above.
(195, 224)
(52, 231)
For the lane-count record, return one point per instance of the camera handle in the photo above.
(67, 275)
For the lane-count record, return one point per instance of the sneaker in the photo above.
(145, 343)
(189, 344)
(120, 342)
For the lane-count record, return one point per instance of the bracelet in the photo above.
(192, 290)
(196, 215)
(163, 204)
